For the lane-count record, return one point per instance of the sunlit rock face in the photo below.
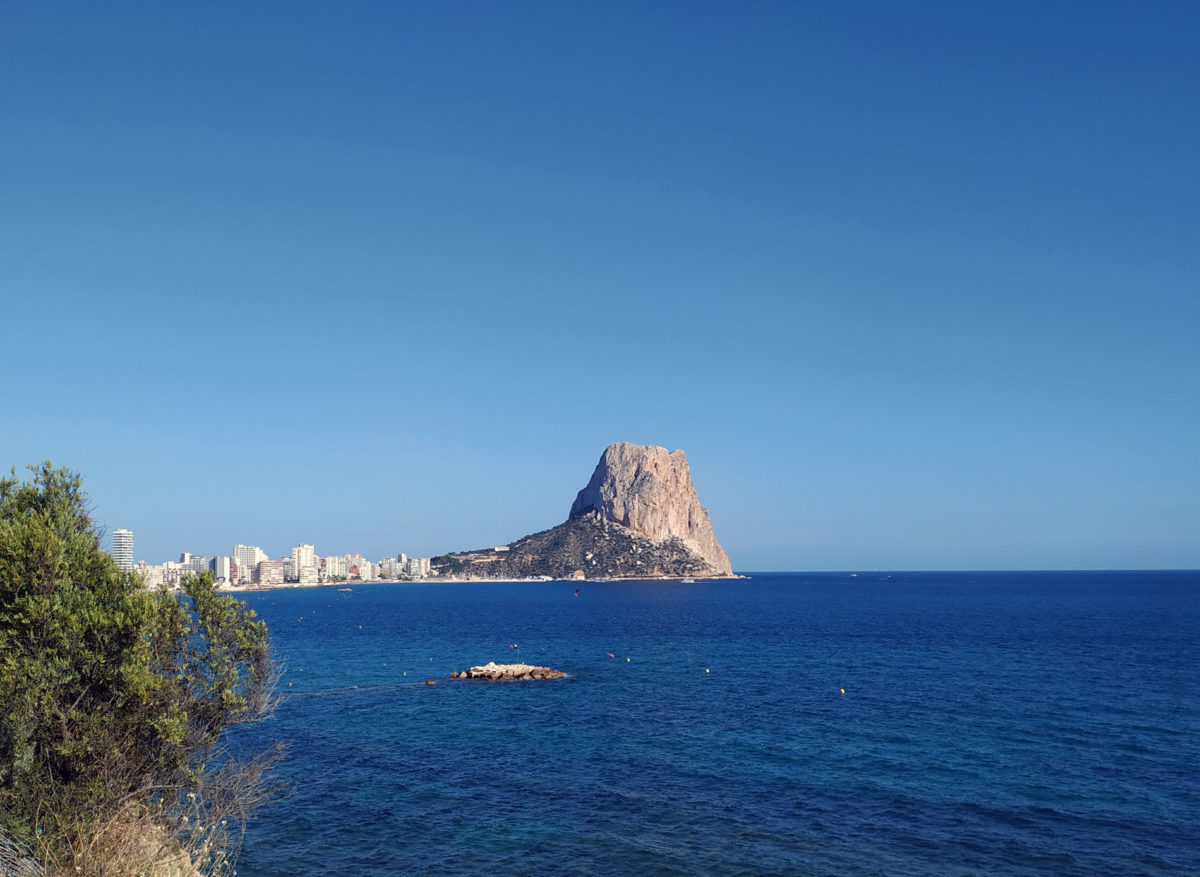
(649, 490)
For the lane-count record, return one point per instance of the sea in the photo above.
(903, 723)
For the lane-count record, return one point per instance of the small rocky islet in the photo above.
(493, 672)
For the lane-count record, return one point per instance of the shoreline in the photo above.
(292, 586)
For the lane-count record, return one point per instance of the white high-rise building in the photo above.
(302, 555)
(336, 567)
(248, 558)
(123, 549)
(304, 564)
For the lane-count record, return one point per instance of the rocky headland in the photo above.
(638, 517)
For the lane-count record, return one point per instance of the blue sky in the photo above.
(915, 286)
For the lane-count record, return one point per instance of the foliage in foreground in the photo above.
(113, 699)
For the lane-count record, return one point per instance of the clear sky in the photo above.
(913, 285)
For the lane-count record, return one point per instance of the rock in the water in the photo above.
(650, 491)
(494, 672)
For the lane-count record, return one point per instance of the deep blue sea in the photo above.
(991, 723)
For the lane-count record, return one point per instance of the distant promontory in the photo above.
(638, 517)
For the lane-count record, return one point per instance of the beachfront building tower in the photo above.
(123, 549)
(304, 564)
(247, 557)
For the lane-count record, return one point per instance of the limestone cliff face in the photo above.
(639, 517)
(649, 491)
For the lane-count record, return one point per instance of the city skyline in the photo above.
(913, 285)
(249, 554)
(250, 564)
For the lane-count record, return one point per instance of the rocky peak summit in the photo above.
(649, 491)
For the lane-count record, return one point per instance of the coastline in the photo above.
(292, 586)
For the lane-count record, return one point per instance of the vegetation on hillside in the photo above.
(114, 699)
(588, 544)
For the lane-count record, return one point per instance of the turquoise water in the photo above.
(992, 723)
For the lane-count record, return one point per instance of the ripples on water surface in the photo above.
(992, 723)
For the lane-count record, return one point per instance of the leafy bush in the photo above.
(114, 699)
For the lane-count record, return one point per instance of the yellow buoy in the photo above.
(842, 690)
(705, 669)
(626, 660)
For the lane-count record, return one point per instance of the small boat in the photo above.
(345, 590)
(687, 581)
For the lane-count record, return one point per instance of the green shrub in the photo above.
(114, 698)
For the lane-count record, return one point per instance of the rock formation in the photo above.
(650, 491)
(638, 517)
(494, 672)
